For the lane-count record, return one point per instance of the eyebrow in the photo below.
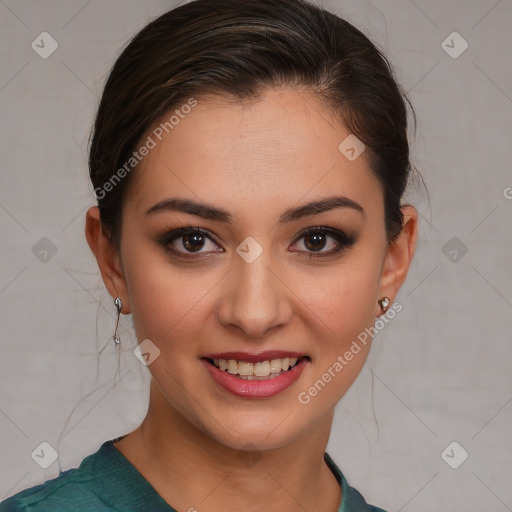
(206, 211)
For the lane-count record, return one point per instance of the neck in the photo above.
(191, 470)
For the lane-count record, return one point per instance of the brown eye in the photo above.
(193, 242)
(315, 241)
(317, 238)
(187, 241)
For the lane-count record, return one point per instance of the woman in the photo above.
(249, 160)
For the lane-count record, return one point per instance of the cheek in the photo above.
(165, 301)
(343, 313)
(344, 299)
(344, 308)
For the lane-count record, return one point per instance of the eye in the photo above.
(188, 240)
(317, 238)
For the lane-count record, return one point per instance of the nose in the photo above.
(254, 299)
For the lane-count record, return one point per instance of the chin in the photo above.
(246, 432)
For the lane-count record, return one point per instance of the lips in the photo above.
(260, 375)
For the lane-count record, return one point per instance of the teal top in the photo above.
(106, 481)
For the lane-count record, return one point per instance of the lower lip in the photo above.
(256, 388)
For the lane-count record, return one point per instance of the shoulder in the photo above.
(356, 503)
(56, 495)
(70, 490)
(351, 500)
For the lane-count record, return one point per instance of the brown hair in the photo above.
(242, 48)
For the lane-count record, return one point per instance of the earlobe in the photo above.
(399, 255)
(107, 257)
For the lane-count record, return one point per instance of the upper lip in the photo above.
(254, 357)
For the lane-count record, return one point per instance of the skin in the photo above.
(254, 160)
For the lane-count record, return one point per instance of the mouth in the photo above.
(262, 375)
(259, 370)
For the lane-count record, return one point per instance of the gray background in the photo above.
(438, 373)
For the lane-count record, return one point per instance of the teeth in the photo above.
(275, 366)
(259, 369)
(245, 368)
(232, 366)
(262, 369)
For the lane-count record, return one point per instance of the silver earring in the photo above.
(119, 305)
(383, 303)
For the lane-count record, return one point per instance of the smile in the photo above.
(255, 376)
(270, 368)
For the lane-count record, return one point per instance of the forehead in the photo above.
(253, 153)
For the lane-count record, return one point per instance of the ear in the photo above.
(107, 256)
(399, 256)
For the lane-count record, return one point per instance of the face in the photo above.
(257, 278)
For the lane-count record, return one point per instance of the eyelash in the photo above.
(344, 240)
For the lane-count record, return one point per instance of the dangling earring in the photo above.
(119, 305)
(383, 303)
